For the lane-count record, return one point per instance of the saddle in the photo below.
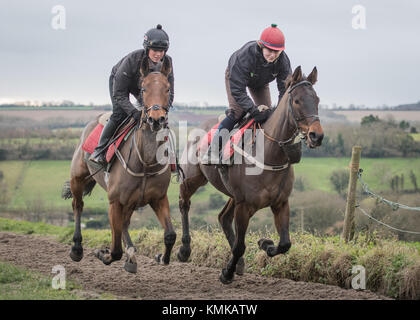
(93, 139)
(293, 150)
(235, 139)
(123, 134)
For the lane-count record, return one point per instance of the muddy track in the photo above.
(153, 281)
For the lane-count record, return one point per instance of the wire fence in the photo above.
(394, 205)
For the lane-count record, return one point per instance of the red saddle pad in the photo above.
(93, 139)
(228, 150)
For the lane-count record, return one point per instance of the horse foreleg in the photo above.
(242, 215)
(281, 221)
(225, 220)
(116, 220)
(161, 208)
(76, 187)
(130, 264)
(187, 188)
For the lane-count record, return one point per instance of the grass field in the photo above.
(17, 283)
(32, 184)
(416, 136)
(376, 172)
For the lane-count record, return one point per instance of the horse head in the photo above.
(155, 92)
(303, 105)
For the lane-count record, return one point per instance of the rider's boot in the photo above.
(98, 156)
(214, 154)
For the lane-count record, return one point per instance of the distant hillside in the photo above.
(408, 107)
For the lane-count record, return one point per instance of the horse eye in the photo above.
(297, 101)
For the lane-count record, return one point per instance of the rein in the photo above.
(297, 136)
(144, 164)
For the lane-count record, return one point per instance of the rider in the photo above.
(253, 66)
(124, 80)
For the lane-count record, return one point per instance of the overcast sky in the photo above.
(372, 66)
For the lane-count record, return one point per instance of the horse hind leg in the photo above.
(130, 264)
(187, 188)
(225, 219)
(242, 214)
(77, 185)
(161, 208)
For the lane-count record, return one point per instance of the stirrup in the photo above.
(99, 160)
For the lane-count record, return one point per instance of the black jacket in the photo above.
(248, 68)
(126, 75)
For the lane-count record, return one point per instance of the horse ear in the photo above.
(313, 76)
(297, 75)
(144, 67)
(166, 66)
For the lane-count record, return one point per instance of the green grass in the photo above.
(17, 283)
(416, 136)
(42, 183)
(317, 171)
(392, 267)
(38, 184)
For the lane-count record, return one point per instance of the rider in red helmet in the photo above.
(253, 66)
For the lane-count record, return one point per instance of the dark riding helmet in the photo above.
(156, 39)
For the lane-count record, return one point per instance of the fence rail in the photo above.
(356, 174)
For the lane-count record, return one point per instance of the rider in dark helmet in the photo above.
(124, 80)
(253, 66)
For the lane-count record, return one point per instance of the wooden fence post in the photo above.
(348, 228)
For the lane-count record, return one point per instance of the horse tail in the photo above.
(89, 187)
(66, 191)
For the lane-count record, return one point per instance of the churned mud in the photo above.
(152, 281)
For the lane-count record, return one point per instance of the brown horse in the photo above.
(296, 114)
(142, 179)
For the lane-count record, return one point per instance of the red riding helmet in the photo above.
(272, 38)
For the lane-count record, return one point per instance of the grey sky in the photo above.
(375, 66)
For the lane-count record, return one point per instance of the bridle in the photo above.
(297, 120)
(145, 118)
(298, 131)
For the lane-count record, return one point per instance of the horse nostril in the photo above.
(161, 120)
(315, 137)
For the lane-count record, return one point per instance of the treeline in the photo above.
(378, 138)
(24, 139)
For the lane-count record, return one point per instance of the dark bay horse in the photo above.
(137, 179)
(296, 114)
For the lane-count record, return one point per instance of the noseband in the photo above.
(297, 134)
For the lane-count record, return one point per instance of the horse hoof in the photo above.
(284, 248)
(76, 254)
(240, 267)
(224, 278)
(130, 267)
(103, 255)
(159, 259)
(183, 255)
(264, 243)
